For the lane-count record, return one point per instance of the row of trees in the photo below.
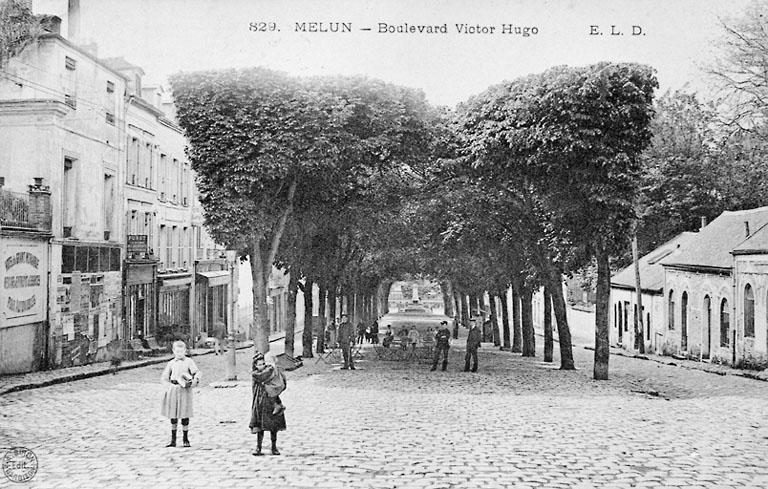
(350, 183)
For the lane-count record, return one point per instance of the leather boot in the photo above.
(173, 439)
(185, 438)
(259, 440)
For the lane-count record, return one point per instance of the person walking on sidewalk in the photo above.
(443, 343)
(264, 415)
(346, 338)
(181, 374)
(473, 343)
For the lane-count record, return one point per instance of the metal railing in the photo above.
(16, 211)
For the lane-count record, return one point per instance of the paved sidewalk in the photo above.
(43, 378)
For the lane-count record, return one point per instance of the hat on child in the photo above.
(258, 356)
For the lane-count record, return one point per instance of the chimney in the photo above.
(40, 205)
(746, 228)
(703, 222)
(73, 21)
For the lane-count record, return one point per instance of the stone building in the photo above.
(61, 116)
(710, 300)
(624, 298)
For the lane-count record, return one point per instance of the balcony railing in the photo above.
(30, 211)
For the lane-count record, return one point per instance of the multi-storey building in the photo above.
(61, 122)
(101, 234)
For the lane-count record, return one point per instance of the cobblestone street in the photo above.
(516, 423)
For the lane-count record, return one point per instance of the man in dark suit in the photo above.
(473, 343)
(346, 337)
(443, 343)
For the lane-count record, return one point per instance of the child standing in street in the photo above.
(181, 374)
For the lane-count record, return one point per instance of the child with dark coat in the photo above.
(266, 414)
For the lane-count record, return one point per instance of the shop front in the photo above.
(140, 297)
(173, 305)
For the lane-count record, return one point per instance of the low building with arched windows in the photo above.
(710, 301)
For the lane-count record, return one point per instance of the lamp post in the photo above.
(231, 342)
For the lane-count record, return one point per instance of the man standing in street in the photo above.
(443, 342)
(473, 343)
(346, 337)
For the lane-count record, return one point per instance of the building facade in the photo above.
(707, 291)
(61, 113)
(101, 233)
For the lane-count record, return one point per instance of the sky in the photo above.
(677, 38)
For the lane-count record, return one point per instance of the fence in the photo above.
(24, 211)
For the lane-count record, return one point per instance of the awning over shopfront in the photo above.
(214, 279)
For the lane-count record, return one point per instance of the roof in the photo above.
(651, 271)
(121, 64)
(713, 244)
(756, 244)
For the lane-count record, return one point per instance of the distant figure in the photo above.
(375, 333)
(219, 331)
(388, 338)
(360, 332)
(473, 343)
(456, 322)
(443, 340)
(413, 337)
(346, 338)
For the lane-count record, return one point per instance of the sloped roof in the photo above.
(651, 271)
(757, 243)
(119, 63)
(713, 244)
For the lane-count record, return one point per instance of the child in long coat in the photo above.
(181, 374)
(264, 416)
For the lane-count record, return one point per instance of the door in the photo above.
(706, 336)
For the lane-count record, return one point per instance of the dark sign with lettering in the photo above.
(137, 243)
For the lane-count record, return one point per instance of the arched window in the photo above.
(671, 311)
(684, 321)
(725, 323)
(749, 312)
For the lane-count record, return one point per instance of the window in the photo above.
(626, 316)
(69, 63)
(110, 118)
(90, 258)
(615, 315)
(648, 325)
(620, 324)
(70, 100)
(109, 205)
(110, 87)
(133, 161)
(749, 312)
(725, 323)
(671, 311)
(684, 321)
(68, 197)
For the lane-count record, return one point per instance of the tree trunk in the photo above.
(260, 333)
(517, 336)
(359, 307)
(639, 340)
(494, 319)
(548, 340)
(376, 303)
(308, 333)
(474, 306)
(506, 345)
(320, 346)
(290, 327)
(445, 288)
(529, 338)
(563, 330)
(602, 341)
